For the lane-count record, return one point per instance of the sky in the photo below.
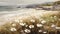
(19, 2)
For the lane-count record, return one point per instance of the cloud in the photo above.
(15, 2)
(35, 1)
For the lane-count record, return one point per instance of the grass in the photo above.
(49, 18)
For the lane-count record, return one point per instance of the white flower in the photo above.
(57, 27)
(43, 21)
(13, 24)
(39, 25)
(13, 29)
(44, 32)
(22, 24)
(31, 26)
(27, 31)
(53, 25)
(32, 20)
(40, 30)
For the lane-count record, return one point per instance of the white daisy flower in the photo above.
(13, 24)
(57, 27)
(31, 26)
(39, 25)
(43, 21)
(22, 24)
(13, 29)
(40, 30)
(53, 25)
(27, 31)
(44, 32)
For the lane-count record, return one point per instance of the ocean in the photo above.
(7, 8)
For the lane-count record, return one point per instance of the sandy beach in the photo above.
(10, 15)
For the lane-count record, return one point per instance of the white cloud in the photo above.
(35, 1)
(14, 2)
